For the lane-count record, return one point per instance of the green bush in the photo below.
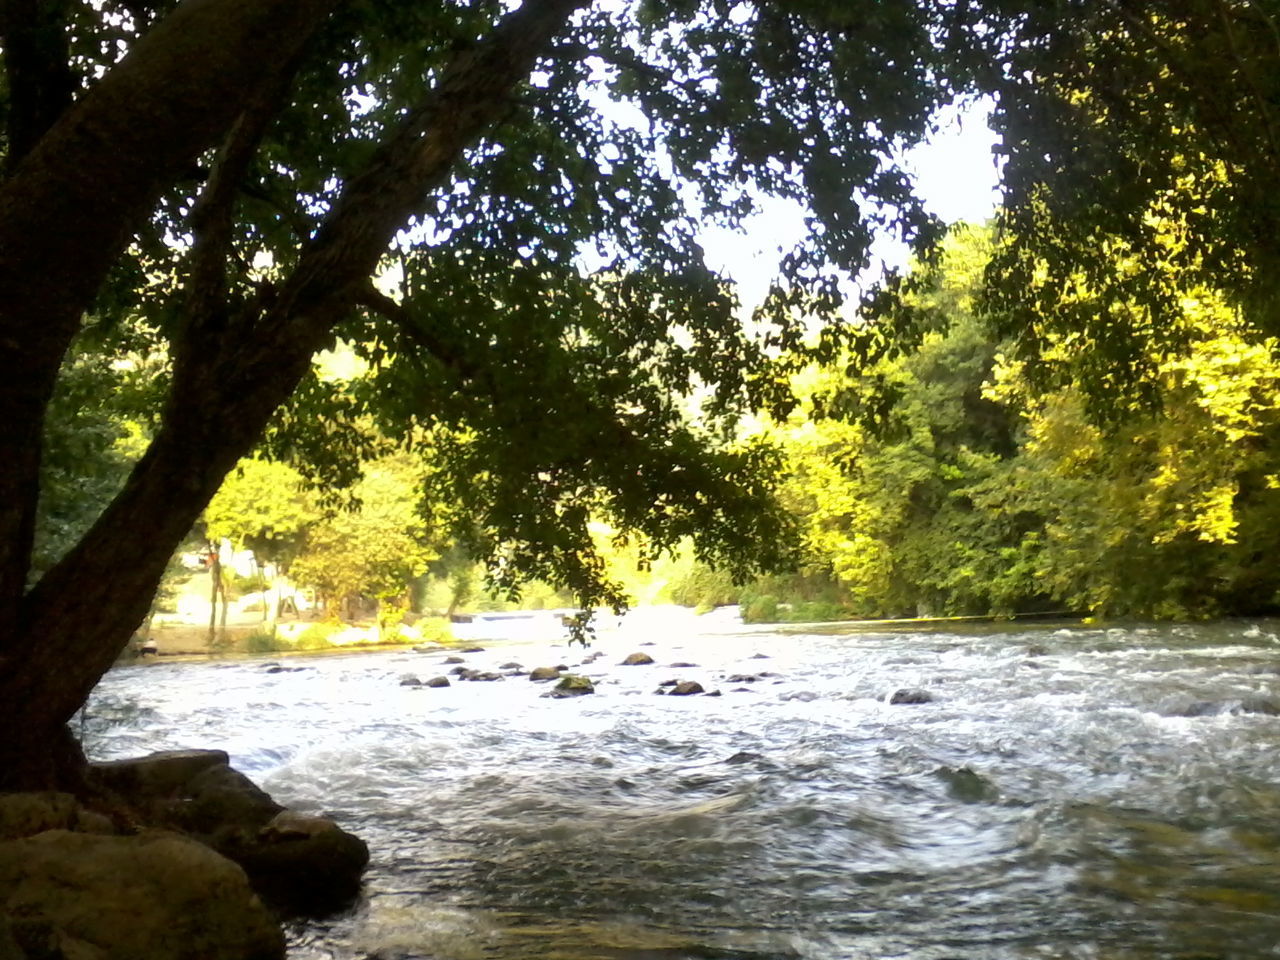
(264, 642)
(435, 630)
(761, 609)
(816, 611)
(316, 636)
(254, 583)
(701, 587)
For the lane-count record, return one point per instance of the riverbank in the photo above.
(169, 641)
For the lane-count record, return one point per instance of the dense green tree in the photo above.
(1170, 511)
(1119, 119)
(949, 479)
(264, 507)
(887, 460)
(373, 549)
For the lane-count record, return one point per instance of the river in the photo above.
(1068, 792)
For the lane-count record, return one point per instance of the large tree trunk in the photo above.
(228, 378)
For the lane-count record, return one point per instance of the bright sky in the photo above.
(955, 174)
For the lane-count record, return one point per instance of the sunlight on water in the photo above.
(1054, 792)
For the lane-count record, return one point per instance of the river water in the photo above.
(1068, 792)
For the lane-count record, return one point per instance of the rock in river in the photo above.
(637, 660)
(686, 688)
(544, 673)
(911, 696)
(571, 685)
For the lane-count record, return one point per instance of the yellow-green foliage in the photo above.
(316, 636)
(435, 630)
(980, 489)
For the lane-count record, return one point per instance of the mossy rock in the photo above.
(572, 685)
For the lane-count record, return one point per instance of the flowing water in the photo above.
(1067, 793)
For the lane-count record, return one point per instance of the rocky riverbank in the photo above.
(177, 855)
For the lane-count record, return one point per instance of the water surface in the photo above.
(1066, 793)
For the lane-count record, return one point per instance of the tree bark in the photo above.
(37, 70)
(73, 624)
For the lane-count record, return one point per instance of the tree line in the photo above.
(957, 476)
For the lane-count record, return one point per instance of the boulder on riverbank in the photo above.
(197, 792)
(154, 896)
(26, 814)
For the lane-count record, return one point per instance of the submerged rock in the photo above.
(454, 660)
(409, 680)
(911, 696)
(967, 786)
(438, 682)
(1262, 705)
(155, 896)
(1213, 708)
(637, 660)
